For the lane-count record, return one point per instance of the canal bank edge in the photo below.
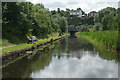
(34, 46)
(24, 47)
(111, 54)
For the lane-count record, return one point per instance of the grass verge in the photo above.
(108, 38)
(105, 52)
(6, 51)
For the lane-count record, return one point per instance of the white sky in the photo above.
(85, 5)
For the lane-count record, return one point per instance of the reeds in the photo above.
(109, 38)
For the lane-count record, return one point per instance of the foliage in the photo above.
(25, 45)
(84, 28)
(6, 43)
(106, 19)
(63, 24)
(59, 17)
(118, 40)
(105, 53)
(81, 10)
(109, 22)
(108, 38)
(105, 11)
(97, 27)
(103, 27)
(23, 18)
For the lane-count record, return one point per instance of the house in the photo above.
(77, 13)
(93, 13)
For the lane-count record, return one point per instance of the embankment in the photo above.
(103, 49)
(17, 52)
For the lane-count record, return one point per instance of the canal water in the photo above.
(69, 58)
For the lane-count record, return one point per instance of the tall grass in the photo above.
(109, 38)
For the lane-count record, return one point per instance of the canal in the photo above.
(69, 58)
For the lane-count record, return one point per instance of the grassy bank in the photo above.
(6, 42)
(104, 52)
(6, 51)
(108, 38)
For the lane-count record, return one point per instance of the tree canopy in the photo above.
(23, 18)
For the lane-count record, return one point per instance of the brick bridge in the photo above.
(72, 30)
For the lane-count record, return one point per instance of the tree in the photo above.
(18, 20)
(105, 11)
(97, 27)
(58, 10)
(81, 10)
(54, 23)
(109, 22)
(90, 20)
(63, 24)
(54, 12)
(42, 25)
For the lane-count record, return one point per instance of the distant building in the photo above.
(77, 13)
(93, 13)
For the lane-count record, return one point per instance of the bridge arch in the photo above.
(72, 29)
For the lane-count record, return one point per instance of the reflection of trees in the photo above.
(61, 47)
(81, 44)
(74, 47)
(24, 67)
(118, 57)
(75, 44)
(108, 55)
(78, 46)
(66, 48)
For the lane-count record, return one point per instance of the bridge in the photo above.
(72, 30)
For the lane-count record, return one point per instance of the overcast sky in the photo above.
(86, 5)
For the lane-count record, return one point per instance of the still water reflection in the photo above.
(70, 58)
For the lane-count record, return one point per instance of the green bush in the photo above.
(97, 27)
